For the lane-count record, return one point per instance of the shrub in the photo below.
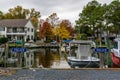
(3, 40)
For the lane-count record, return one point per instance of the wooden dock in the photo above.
(43, 46)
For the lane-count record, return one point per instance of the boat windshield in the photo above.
(116, 45)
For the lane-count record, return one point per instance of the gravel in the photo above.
(64, 74)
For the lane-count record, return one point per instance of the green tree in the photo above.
(90, 18)
(112, 16)
(1, 15)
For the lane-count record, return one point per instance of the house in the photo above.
(17, 29)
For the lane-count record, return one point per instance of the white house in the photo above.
(17, 29)
(29, 58)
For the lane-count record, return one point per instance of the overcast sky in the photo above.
(65, 9)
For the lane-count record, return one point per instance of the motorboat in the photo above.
(115, 52)
(83, 57)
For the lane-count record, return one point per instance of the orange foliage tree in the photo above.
(46, 31)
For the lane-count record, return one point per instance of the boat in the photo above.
(83, 58)
(115, 52)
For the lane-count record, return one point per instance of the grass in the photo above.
(15, 45)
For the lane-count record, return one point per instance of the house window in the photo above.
(28, 29)
(28, 38)
(32, 30)
(14, 30)
(32, 37)
(2, 28)
(21, 29)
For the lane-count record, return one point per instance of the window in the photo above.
(28, 29)
(116, 45)
(14, 30)
(31, 37)
(32, 30)
(2, 28)
(21, 30)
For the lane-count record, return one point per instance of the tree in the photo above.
(1, 15)
(63, 33)
(17, 13)
(91, 16)
(53, 19)
(46, 31)
(67, 24)
(112, 16)
(20, 13)
(34, 15)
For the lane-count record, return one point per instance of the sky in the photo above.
(65, 9)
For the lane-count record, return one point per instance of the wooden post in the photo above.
(101, 60)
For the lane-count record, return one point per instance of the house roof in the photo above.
(13, 22)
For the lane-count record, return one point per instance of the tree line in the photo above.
(97, 19)
(49, 30)
(53, 29)
(94, 20)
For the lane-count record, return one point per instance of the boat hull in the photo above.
(115, 59)
(83, 64)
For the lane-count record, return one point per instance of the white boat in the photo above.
(83, 56)
(115, 52)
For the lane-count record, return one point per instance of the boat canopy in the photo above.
(84, 48)
(83, 51)
(117, 39)
(117, 43)
(67, 41)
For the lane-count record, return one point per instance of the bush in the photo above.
(3, 40)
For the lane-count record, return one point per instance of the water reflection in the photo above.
(46, 57)
(42, 57)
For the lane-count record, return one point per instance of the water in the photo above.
(38, 58)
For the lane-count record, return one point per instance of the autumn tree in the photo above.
(53, 19)
(21, 13)
(67, 24)
(62, 32)
(46, 31)
(17, 13)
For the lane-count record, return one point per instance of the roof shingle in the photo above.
(13, 22)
